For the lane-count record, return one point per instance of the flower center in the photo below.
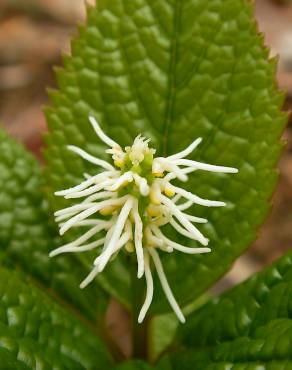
(138, 178)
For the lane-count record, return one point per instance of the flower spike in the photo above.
(126, 206)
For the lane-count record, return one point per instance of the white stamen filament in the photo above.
(88, 212)
(165, 286)
(122, 241)
(74, 209)
(117, 232)
(109, 233)
(85, 183)
(149, 289)
(89, 234)
(125, 178)
(142, 184)
(177, 246)
(89, 222)
(204, 166)
(165, 248)
(90, 158)
(61, 218)
(191, 218)
(73, 212)
(176, 198)
(186, 151)
(90, 277)
(138, 235)
(152, 239)
(103, 137)
(72, 249)
(186, 205)
(195, 199)
(170, 166)
(187, 233)
(195, 219)
(91, 190)
(171, 176)
(101, 195)
(107, 239)
(184, 221)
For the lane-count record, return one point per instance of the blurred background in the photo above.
(34, 33)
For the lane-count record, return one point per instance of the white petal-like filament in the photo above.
(116, 234)
(91, 276)
(149, 289)
(76, 243)
(88, 212)
(204, 166)
(186, 151)
(177, 246)
(90, 158)
(184, 220)
(165, 286)
(103, 137)
(91, 190)
(138, 235)
(126, 177)
(195, 199)
(72, 249)
(86, 183)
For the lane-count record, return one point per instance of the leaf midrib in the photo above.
(172, 76)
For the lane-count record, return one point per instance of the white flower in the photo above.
(135, 198)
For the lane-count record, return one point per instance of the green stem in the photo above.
(139, 331)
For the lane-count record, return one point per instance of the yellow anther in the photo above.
(125, 183)
(119, 163)
(154, 198)
(169, 192)
(130, 247)
(153, 211)
(158, 174)
(107, 211)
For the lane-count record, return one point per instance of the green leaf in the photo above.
(162, 331)
(264, 297)
(35, 333)
(27, 237)
(162, 328)
(175, 71)
(249, 327)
